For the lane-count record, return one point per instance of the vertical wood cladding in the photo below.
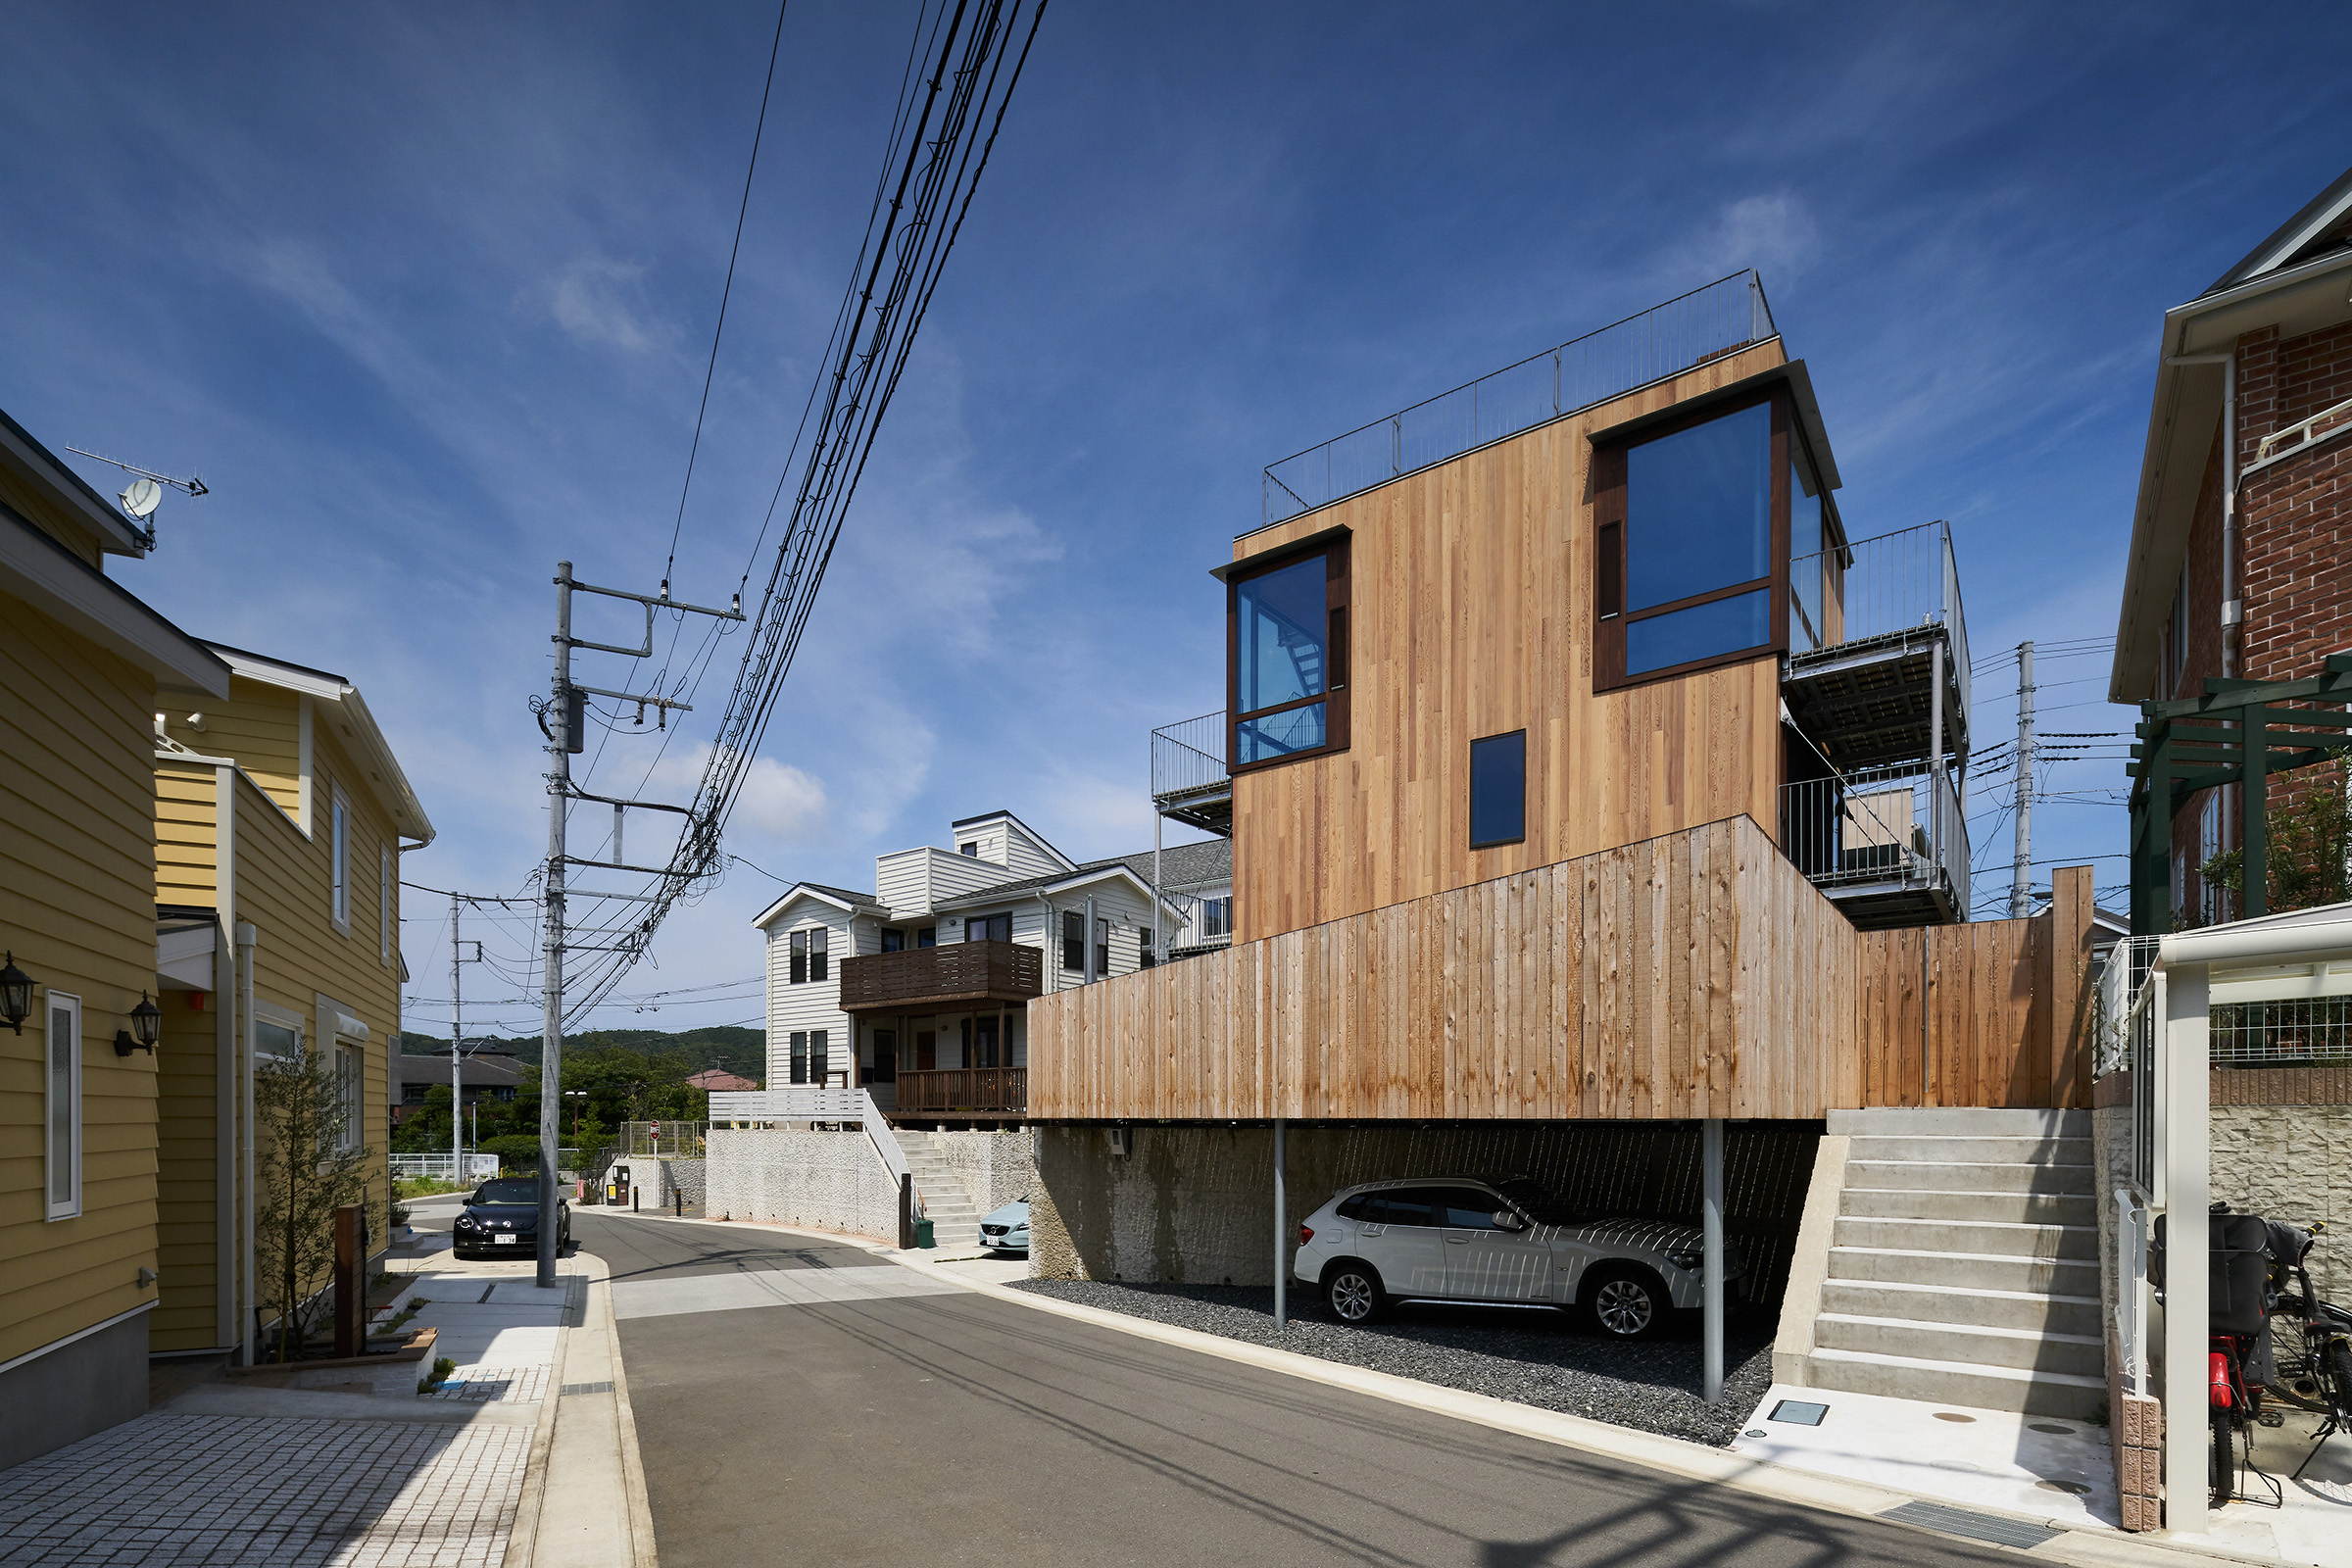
(1471, 605)
(1696, 974)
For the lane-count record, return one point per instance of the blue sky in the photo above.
(426, 293)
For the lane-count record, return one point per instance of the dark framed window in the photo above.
(808, 950)
(818, 942)
(800, 1057)
(893, 941)
(1287, 657)
(1143, 948)
(927, 936)
(1101, 949)
(1073, 940)
(1693, 538)
(885, 1069)
(972, 849)
(797, 972)
(988, 928)
(981, 1044)
(1499, 789)
(1217, 917)
(816, 1055)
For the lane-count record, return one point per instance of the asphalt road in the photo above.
(792, 1407)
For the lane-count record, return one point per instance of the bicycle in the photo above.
(2315, 1371)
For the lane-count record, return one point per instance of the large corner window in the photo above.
(1693, 523)
(1288, 658)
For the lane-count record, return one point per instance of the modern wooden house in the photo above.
(1589, 770)
(280, 815)
(918, 990)
(85, 665)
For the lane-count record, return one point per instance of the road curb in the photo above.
(2088, 1546)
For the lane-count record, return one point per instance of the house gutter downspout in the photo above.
(248, 1329)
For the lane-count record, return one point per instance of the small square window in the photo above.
(972, 849)
(1499, 789)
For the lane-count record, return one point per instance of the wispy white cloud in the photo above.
(599, 300)
(1774, 233)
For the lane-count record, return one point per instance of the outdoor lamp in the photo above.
(146, 1028)
(16, 995)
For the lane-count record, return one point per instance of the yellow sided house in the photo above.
(280, 818)
(84, 667)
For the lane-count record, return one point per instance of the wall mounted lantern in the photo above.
(16, 995)
(147, 1021)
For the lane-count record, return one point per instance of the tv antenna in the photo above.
(145, 492)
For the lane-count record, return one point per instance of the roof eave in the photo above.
(117, 535)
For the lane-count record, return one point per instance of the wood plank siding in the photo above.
(1694, 974)
(77, 909)
(1471, 608)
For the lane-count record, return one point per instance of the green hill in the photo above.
(740, 1050)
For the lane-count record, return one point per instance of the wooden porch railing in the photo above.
(952, 1091)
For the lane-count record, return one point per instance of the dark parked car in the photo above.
(501, 1219)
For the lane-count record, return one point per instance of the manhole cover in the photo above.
(1952, 1415)
(2050, 1426)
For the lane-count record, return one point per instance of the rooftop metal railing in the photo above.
(1893, 582)
(1664, 340)
(1188, 755)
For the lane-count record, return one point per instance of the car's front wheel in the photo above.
(1624, 1303)
(1352, 1293)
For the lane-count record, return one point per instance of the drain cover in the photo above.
(1974, 1526)
(1799, 1412)
(588, 1387)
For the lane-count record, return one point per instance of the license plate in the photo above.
(506, 1241)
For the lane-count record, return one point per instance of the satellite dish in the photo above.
(142, 497)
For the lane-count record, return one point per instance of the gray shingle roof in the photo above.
(1182, 866)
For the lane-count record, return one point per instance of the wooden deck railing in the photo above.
(958, 972)
(951, 1091)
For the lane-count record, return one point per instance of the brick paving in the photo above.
(188, 1489)
(501, 1385)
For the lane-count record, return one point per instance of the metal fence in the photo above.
(1188, 756)
(1706, 324)
(444, 1168)
(1893, 582)
(684, 1139)
(2295, 1032)
(1878, 825)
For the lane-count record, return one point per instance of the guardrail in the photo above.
(949, 1089)
(1891, 582)
(1188, 756)
(443, 1167)
(1706, 324)
(1878, 825)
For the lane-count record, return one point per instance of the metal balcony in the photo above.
(1887, 845)
(1189, 780)
(959, 974)
(1868, 625)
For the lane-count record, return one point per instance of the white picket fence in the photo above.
(442, 1167)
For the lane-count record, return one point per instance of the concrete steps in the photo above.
(1962, 1262)
(955, 1219)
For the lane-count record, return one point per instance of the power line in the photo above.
(727, 291)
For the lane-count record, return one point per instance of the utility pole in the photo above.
(457, 1041)
(565, 723)
(2020, 869)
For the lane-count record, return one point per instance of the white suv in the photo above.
(1455, 1239)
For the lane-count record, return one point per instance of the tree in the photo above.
(311, 1165)
(2309, 845)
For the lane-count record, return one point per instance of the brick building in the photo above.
(2240, 565)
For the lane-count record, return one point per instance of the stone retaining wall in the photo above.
(833, 1181)
(994, 1167)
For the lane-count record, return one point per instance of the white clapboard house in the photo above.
(918, 990)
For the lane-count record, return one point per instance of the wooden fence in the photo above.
(1699, 974)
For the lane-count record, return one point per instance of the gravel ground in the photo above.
(1545, 1360)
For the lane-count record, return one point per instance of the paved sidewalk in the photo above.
(349, 1467)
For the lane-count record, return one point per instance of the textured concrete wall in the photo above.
(2293, 1162)
(1194, 1204)
(657, 1180)
(994, 1168)
(827, 1181)
(74, 1390)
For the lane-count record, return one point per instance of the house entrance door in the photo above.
(926, 1049)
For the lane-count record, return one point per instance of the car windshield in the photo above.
(1530, 1198)
(518, 1191)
